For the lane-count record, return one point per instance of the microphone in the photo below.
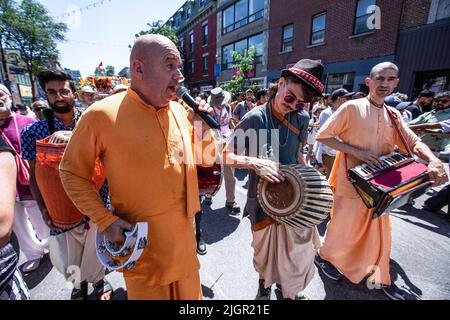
(183, 94)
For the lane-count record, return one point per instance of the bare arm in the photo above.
(8, 176)
(420, 128)
(436, 169)
(364, 156)
(266, 169)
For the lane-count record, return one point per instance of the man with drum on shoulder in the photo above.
(282, 254)
(356, 245)
(72, 250)
(146, 143)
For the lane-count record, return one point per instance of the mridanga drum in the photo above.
(49, 152)
(303, 200)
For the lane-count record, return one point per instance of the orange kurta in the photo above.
(140, 148)
(354, 242)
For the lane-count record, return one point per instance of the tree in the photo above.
(110, 71)
(244, 66)
(99, 72)
(159, 27)
(29, 29)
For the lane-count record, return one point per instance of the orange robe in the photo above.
(140, 148)
(355, 243)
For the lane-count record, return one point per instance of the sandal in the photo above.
(80, 294)
(102, 289)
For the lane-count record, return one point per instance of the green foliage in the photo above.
(28, 28)
(159, 27)
(243, 66)
(110, 71)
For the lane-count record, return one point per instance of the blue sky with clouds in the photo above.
(103, 33)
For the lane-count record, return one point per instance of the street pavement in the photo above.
(419, 260)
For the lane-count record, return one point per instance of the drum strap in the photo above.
(284, 121)
(263, 224)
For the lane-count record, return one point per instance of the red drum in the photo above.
(209, 179)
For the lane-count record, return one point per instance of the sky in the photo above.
(103, 33)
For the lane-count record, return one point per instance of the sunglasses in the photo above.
(291, 99)
(443, 101)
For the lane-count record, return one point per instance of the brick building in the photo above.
(348, 36)
(242, 24)
(423, 51)
(196, 25)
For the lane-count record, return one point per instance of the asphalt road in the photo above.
(419, 261)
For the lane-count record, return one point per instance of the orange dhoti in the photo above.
(356, 244)
(185, 289)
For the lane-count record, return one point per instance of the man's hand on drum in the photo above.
(437, 174)
(267, 170)
(115, 232)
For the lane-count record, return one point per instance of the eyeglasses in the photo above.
(298, 105)
(443, 101)
(63, 93)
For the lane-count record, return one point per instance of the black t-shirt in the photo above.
(415, 110)
(4, 146)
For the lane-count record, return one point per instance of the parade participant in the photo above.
(282, 255)
(37, 107)
(119, 88)
(87, 96)
(219, 100)
(261, 97)
(237, 99)
(74, 247)
(421, 104)
(440, 113)
(32, 237)
(12, 286)
(145, 141)
(312, 132)
(326, 155)
(356, 245)
(244, 107)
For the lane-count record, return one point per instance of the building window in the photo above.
(205, 34)
(287, 38)
(182, 46)
(188, 13)
(255, 10)
(443, 10)
(202, 3)
(242, 13)
(318, 28)
(205, 65)
(363, 15)
(191, 68)
(191, 42)
(241, 46)
(340, 80)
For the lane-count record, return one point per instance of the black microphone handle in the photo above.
(210, 121)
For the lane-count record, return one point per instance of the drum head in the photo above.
(281, 199)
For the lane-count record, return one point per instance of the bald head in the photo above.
(383, 66)
(147, 46)
(155, 65)
(4, 89)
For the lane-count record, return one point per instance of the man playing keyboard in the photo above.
(356, 245)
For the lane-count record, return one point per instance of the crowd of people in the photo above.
(137, 134)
